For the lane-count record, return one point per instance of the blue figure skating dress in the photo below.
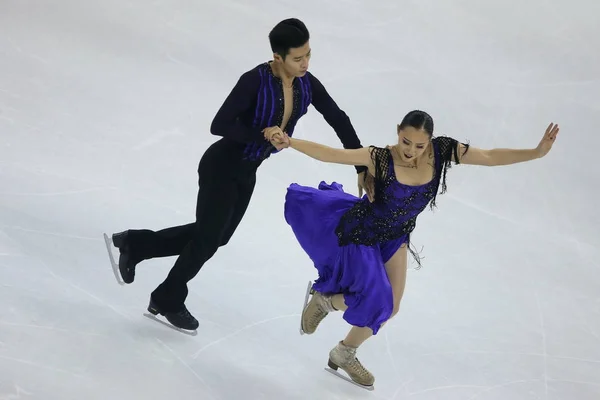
(349, 239)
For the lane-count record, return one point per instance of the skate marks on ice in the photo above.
(114, 264)
(18, 393)
(309, 291)
(239, 331)
(331, 368)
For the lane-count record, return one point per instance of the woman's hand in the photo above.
(280, 140)
(272, 133)
(548, 140)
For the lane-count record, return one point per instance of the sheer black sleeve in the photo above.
(448, 149)
(381, 160)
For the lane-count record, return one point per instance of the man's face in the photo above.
(297, 60)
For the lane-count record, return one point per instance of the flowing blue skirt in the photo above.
(356, 271)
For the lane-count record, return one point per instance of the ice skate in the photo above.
(344, 357)
(182, 321)
(125, 270)
(315, 311)
(115, 266)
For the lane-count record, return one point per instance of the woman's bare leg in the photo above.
(344, 354)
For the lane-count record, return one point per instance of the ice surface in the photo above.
(105, 110)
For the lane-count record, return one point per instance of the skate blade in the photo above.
(347, 379)
(308, 292)
(154, 318)
(115, 266)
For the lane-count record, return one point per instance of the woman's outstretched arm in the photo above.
(328, 154)
(496, 157)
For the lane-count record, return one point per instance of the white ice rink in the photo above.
(105, 110)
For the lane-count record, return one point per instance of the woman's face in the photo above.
(412, 143)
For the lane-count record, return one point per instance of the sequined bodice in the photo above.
(397, 206)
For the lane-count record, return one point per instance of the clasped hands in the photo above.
(278, 138)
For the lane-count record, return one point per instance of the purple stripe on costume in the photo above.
(263, 105)
(258, 149)
(257, 111)
(302, 96)
(253, 150)
(308, 94)
(270, 123)
(305, 95)
(265, 85)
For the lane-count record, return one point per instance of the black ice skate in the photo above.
(182, 320)
(125, 270)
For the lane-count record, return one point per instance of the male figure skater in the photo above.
(266, 100)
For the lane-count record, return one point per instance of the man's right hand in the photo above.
(274, 134)
(272, 131)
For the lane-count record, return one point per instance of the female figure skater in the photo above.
(359, 245)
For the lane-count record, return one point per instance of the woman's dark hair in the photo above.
(289, 33)
(418, 120)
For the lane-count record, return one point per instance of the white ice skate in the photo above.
(314, 311)
(344, 357)
(309, 291)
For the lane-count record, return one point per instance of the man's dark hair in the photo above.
(289, 33)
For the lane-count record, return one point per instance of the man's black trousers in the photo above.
(226, 183)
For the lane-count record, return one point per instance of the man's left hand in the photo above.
(366, 183)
